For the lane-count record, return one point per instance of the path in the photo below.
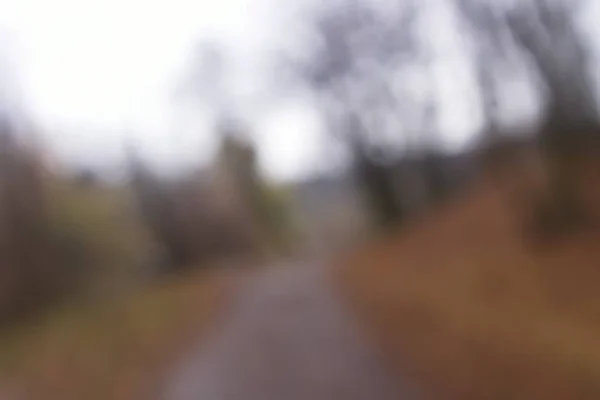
(288, 337)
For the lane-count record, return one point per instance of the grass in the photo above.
(110, 351)
(470, 309)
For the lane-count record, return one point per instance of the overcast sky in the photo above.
(95, 71)
(90, 70)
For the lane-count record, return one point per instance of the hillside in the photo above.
(473, 310)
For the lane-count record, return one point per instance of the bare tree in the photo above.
(545, 34)
(491, 53)
(351, 72)
(547, 31)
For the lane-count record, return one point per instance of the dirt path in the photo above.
(288, 337)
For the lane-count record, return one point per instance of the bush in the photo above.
(98, 241)
(59, 238)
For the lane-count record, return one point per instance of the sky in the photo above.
(98, 73)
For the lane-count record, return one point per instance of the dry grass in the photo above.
(115, 351)
(474, 312)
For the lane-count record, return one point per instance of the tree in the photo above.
(157, 209)
(491, 54)
(25, 270)
(358, 51)
(263, 213)
(545, 34)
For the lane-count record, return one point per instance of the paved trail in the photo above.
(288, 337)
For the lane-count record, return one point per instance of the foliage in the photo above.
(98, 239)
(62, 236)
(196, 220)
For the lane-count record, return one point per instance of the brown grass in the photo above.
(472, 311)
(115, 351)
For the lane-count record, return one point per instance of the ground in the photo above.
(115, 350)
(288, 336)
(460, 305)
(479, 310)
